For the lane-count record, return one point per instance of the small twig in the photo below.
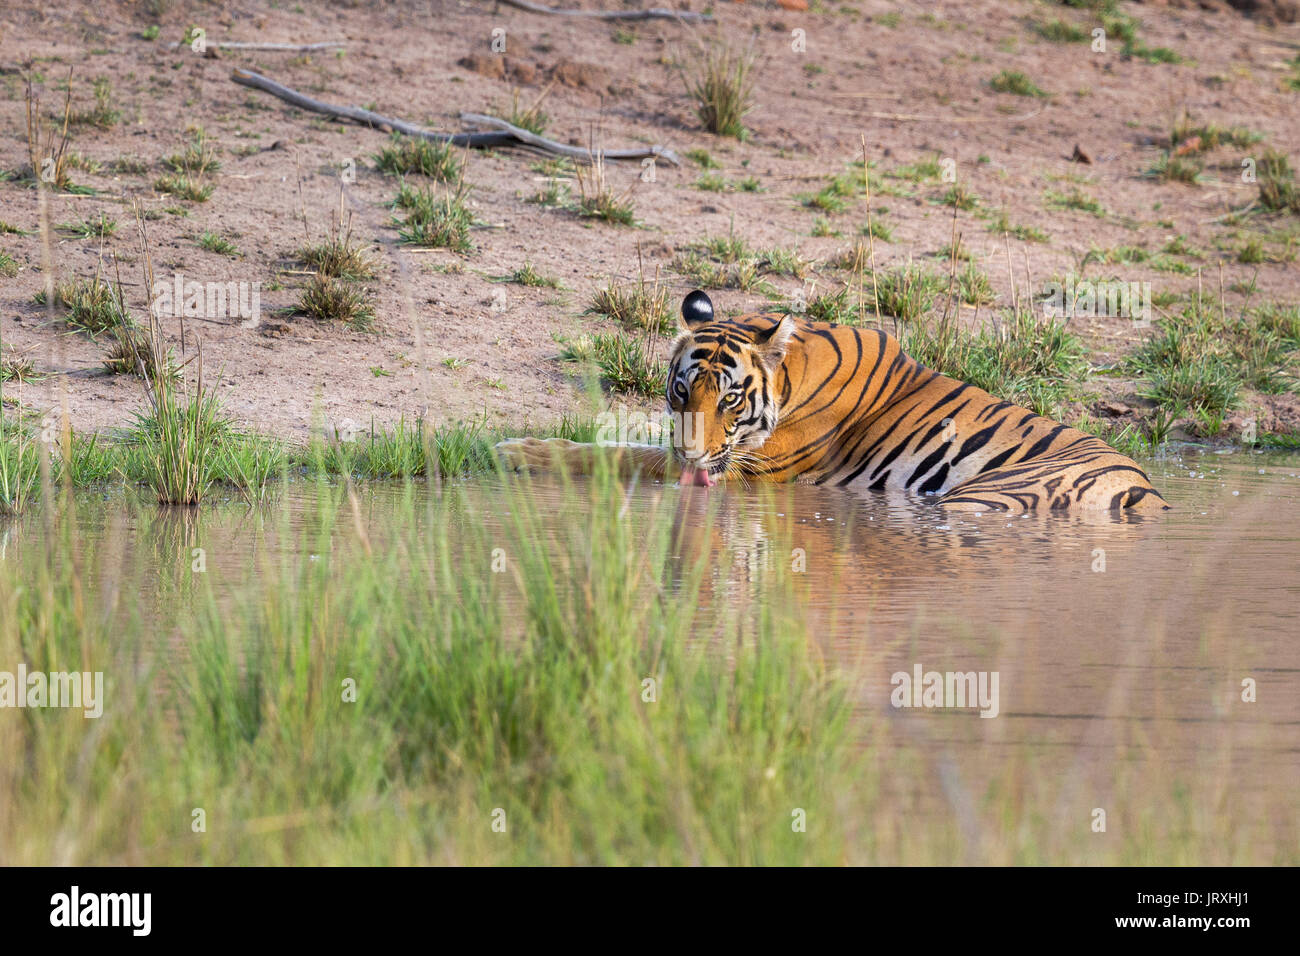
(283, 47)
(302, 203)
(913, 117)
(573, 152)
(1223, 313)
(871, 238)
(1029, 275)
(654, 13)
(1015, 296)
(1232, 212)
(954, 243)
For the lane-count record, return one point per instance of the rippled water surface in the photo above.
(1122, 646)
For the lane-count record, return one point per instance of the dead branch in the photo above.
(504, 135)
(283, 47)
(562, 149)
(654, 13)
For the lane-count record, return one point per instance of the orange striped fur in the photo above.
(778, 398)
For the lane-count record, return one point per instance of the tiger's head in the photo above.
(721, 387)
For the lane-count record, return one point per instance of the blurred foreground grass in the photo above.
(502, 712)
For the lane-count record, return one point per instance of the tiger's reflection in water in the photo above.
(877, 540)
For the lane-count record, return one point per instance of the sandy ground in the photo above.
(911, 77)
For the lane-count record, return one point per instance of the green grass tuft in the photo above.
(328, 299)
(721, 82)
(211, 242)
(405, 155)
(441, 221)
(1013, 81)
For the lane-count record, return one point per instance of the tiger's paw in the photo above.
(530, 454)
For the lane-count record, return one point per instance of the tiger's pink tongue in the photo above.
(697, 476)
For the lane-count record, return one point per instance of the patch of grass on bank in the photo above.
(1177, 169)
(1186, 135)
(702, 158)
(1075, 199)
(191, 169)
(785, 262)
(1013, 81)
(18, 368)
(180, 439)
(339, 256)
(717, 183)
(1289, 441)
(1001, 224)
(207, 451)
(639, 305)
(1020, 358)
(1197, 363)
(407, 155)
(834, 197)
(213, 242)
(93, 305)
(1127, 438)
(904, 293)
(438, 220)
(531, 118)
(102, 114)
(98, 227)
(721, 83)
(625, 363)
(131, 351)
(1185, 374)
(923, 170)
(973, 286)
(878, 230)
(198, 157)
(1150, 54)
(328, 299)
(19, 466)
(1277, 185)
(596, 196)
(527, 275)
(1279, 320)
(1061, 31)
(727, 262)
(185, 187)
(407, 450)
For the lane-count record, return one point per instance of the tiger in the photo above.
(777, 398)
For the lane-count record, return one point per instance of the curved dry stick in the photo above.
(504, 135)
(912, 117)
(365, 117)
(281, 47)
(654, 13)
(574, 152)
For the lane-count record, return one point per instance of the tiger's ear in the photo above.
(697, 310)
(771, 345)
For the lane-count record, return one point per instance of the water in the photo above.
(1122, 646)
